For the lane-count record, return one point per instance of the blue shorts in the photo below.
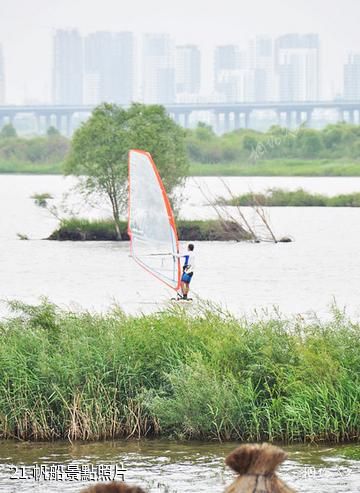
(186, 277)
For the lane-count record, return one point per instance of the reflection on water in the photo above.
(163, 466)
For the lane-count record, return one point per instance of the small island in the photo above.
(76, 229)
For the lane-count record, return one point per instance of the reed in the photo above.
(205, 375)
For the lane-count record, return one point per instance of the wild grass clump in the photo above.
(80, 229)
(277, 197)
(41, 199)
(211, 230)
(80, 376)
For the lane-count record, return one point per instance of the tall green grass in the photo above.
(173, 374)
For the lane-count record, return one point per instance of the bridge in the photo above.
(227, 116)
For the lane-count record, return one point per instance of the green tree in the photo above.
(249, 142)
(309, 143)
(52, 132)
(8, 131)
(333, 136)
(99, 150)
(204, 132)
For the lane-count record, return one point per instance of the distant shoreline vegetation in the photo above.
(35, 155)
(78, 376)
(277, 197)
(337, 141)
(332, 151)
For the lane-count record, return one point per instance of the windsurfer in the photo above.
(188, 270)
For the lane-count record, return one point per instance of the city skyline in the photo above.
(266, 69)
(28, 65)
(101, 67)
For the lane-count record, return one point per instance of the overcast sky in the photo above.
(27, 26)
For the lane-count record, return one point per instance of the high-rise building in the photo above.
(297, 65)
(261, 63)
(352, 78)
(228, 63)
(158, 81)
(188, 69)
(68, 67)
(226, 60)
(2, 77)
(109, 67)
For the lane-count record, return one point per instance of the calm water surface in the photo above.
(322, 264)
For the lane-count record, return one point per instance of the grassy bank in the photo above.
(30, 168)
(278, 197)
(77, 229)
(210, 376)
(273, 167)
(278, 167)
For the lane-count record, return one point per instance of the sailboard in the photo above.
(151, 223)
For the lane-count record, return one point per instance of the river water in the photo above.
(305, 276)
(169, 467)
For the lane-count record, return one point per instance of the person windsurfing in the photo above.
(187, 271)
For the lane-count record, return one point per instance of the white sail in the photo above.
(151, 224)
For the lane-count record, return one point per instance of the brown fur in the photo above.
(256, 465)
(113, 487)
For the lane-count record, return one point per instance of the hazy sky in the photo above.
(26, 28)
